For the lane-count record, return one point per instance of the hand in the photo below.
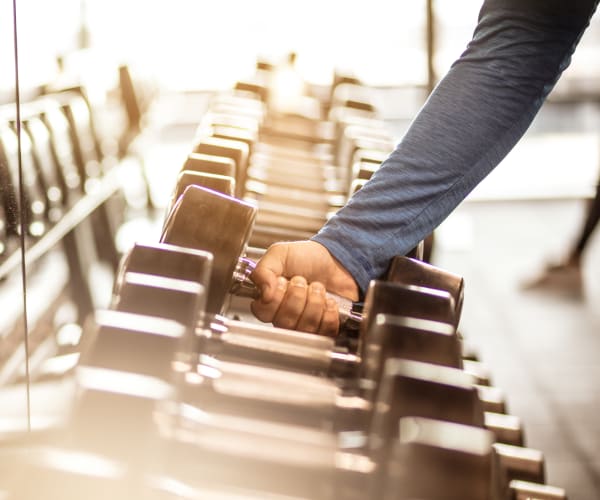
(293, 278)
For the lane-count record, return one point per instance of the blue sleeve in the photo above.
(469, 123)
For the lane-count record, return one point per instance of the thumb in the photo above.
(268, 269)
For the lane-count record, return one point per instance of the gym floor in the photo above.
(541, 347)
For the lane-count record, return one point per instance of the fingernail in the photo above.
(298, 282)
(317, 289)
(282, 283)
(330, 304)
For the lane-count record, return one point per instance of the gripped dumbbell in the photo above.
(197, 220)
(190, 225)
(189, 264)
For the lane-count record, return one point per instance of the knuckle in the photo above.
(285, 321)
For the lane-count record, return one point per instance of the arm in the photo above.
(470, 122)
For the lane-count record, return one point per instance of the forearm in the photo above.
(471, 121)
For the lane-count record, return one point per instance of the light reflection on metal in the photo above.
(87, 464)
(119, 382)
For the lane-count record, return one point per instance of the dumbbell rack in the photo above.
(227, 454)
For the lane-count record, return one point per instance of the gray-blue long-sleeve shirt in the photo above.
(473, 118)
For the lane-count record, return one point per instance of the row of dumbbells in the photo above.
(298, 169)
(61, 158)
(54, 194)
(173, 398)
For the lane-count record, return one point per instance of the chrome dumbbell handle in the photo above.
(243, 286)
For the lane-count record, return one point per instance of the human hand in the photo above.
(293, 279)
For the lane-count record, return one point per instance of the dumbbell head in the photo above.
(169, 261)
(412, 388)
(385, 297)
(413, 338)
(210, 164)
(221, 183)
(440, 460)
(416, 272)
(133, 343)
(152, 295)
(214, 222)
(125, 370)
(407, 338)
(230, 148)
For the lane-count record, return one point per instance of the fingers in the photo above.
(265, 310)
(293, 305)
(311, 316)
(296, 305)
(268, 269)
(330, 321)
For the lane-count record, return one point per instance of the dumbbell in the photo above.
(197, 220)
(453, 474)
(125, 370)
(327, 177)
(230, 119)
(352, 95)
(237, 150)
(273, 153)
(62, 152)
(321, 201)
(84, 141)
(210, 164)
(188, 226)
(34, 209)
(220, 183)
(46, 166)
(239, 105)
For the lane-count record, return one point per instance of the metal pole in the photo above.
(430, 45)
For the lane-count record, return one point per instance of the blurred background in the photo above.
(541, 345)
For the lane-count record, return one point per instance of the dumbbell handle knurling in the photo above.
(243, 286)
